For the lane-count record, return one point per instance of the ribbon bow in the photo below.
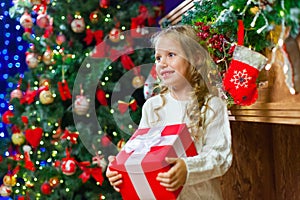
(70, 136)
(90, 35)
(142, 144)
(123, 106)
(96, 172)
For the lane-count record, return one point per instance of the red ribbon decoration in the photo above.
(90, 35)
(70, 136)
(127, 62)
(64, 90)
(240, 32)
(28, 163)
(28, 96)
(100, 95)
(96, 172)
(123, 106)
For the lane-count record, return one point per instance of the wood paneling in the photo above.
(266, 162)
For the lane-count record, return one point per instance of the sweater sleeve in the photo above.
(215, 156)
(144, 122)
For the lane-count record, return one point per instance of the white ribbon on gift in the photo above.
(140, 146)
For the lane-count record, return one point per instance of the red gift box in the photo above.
(143, 157)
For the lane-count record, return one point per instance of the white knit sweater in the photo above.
(214, 152)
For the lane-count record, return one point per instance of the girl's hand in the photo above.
(114, 177)
(175, 177)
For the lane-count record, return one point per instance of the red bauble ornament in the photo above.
(60, 38)
(6, 115)
(68, 166)
(114, 35)
(46, 188)
(42, 20)
(104, 3)
(94, 16)
(105, 141)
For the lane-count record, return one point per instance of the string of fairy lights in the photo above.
(12, 56)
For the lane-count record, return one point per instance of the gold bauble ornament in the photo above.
(138, 81)
(48, 57)
(18, 139)
(9, 180)
(54, 182)
(46, 97)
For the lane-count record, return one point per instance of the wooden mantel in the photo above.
(275, 104)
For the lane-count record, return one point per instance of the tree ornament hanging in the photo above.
(150, 83)
(54, 182)
(31, 60)
(48, 56)
(138, 80)
(5, 190)
(78, 24)
(240, 79)
(46, 97)
(28, 163)
(33, 136)
(6, 116)
(68, 165)
(114, 35)
(26, 22)
(81, 104)
(9, 180)
(46, 189)
(18, 138)
(95, 16)
(16, 93)
(60, 38)
(42, 20)
(104, 3)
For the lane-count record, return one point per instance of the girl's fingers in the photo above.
(115, 178)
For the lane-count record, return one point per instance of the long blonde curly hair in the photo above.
(199, 59)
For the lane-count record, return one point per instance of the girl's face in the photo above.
(171, 62)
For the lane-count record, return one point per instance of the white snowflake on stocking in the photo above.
(240, 79)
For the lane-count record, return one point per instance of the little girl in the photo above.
(182, 65)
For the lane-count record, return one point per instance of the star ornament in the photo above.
(240, 79)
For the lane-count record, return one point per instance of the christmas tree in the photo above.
(80, 98)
